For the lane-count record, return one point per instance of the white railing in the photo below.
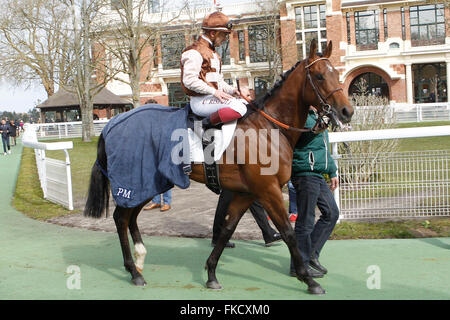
(59, 130)
(379, 195)
(54, 175)
(403, 113)
(397, 113)
(395, 184)
(422, 112)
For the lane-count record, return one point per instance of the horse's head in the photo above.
(322, 88)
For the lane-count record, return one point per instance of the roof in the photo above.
(64, 98)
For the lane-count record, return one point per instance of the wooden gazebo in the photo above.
(64, 106)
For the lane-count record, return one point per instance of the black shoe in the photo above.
(227, 245)
(313, 273)
(314, 263)
(276, 237)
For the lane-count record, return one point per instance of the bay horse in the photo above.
(313, 81)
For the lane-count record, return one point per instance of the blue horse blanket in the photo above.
(139, 150)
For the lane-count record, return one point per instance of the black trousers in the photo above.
(256, 209)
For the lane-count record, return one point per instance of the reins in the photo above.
(321, 123)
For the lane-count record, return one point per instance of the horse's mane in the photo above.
(259, 103)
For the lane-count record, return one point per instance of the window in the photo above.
(257, 40)
(427, 25)
(224, 52)
(310, 24)
(172, 44)
(394, 45)
(177, 98)
(261, 86)
(403, 23)
(385, 25)
(241, 39)
(430, 82)
(154, 6)
(347, 17)
(369, 84)
(366, 30)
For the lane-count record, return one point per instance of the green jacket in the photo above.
(311, 153)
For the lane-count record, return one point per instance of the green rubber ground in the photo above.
(36, 257)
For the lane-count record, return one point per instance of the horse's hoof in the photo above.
(139, 281)
(213, 285)
(318, 290)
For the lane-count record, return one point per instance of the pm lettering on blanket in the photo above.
(124, 193)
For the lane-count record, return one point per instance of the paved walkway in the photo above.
(37, 262)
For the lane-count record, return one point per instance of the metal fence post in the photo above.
(335, 155)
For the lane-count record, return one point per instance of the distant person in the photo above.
(13, 131)
(4, 131)
(166, 196)
(164, 204)
(270, 236)
(292, 202)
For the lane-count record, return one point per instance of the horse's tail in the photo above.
(98, 195)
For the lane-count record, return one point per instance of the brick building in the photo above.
(401, 48)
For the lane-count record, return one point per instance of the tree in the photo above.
(88, 62)
(32, 46)
(372, 112)
(129, 36)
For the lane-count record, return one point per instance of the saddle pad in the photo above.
(222, 139)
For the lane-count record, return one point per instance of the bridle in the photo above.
(324, 115)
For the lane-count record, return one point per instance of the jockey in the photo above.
(202, 78)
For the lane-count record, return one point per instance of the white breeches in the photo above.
(203, 106)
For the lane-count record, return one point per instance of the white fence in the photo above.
(421, 112)
(54, 175)
(409, 184)
(398, 113)
(59, 130)
(395, 184)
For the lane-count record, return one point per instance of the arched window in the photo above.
(369, 83)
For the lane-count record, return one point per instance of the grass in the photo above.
(403, 229)
(421, 144)
(29, 199)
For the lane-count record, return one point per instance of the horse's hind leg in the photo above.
(122, 218)
(236, 209)
(139, 248)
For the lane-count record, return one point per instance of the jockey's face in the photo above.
(218, 37)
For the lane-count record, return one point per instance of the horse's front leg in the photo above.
(122, 219)
(272, 200)
(236, 209)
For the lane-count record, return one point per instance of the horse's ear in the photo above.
(328, 50)
(312, 49)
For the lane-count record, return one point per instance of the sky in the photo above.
(22, 99)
